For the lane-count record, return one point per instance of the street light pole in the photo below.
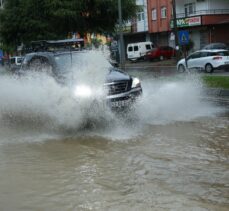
(121, 41)
(175, 28)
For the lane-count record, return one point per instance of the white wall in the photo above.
(142, 25)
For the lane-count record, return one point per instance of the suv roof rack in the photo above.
(57, 45)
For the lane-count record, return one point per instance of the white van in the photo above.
(138, 50)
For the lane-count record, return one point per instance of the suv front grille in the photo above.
(119, 87)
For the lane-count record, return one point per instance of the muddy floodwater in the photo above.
(176, 166)
(170, 153)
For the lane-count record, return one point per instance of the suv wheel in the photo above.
(208, 68)
(181, 68)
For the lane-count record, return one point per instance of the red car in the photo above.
(161, 53)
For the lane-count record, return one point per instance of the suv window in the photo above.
(204, 54)
(148, 46)
(220, 53)
(223, 53)
(135, 48)
(130, 48)
(195, 55)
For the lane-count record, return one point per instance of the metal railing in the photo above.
(203, 12)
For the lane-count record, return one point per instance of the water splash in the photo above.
(38, 104)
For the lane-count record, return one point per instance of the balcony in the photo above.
(204, 12)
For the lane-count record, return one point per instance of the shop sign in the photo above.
(187, 22)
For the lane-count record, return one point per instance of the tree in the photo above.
(27, 20)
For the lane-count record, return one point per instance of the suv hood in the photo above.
(116, 75)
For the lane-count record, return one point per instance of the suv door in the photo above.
(193, 60)
(203, 58)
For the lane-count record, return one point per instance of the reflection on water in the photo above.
(170, 153)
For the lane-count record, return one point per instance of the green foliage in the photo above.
(216, 81)
(27, 20)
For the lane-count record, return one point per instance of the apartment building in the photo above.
(159, 13)
(136, 30)
(206, 20)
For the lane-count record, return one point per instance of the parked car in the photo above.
(160, 53)
(207, 60)
(136, 51)
(13, 64)
(212, 46)
(122, 90)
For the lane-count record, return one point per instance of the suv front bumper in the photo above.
(124, 100)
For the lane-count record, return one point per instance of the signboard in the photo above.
(187, 22)
(183, 37)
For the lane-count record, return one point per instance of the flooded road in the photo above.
(171, 153)
(176, 166)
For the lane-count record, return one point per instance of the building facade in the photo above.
(159, 13)
(206, 21)
(137, 30)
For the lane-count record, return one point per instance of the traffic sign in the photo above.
(183, 37)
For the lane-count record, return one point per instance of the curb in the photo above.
(217, 92)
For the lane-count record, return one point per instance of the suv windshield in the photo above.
(64, 62)
(80, 60)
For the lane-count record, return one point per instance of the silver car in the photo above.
(207, 60)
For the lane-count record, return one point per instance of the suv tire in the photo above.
(208, 68)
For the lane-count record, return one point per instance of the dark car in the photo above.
(213, 46)
(161, 53)
(121, 89)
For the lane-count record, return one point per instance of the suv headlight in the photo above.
(82, 91)
(136, 83)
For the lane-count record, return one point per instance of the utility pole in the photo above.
(175, 31)
(121, 42)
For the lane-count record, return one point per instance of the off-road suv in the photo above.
(57, 57)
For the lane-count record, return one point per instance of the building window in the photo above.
(154, 14)
(140, 16)
(163, 12)
(190, 9)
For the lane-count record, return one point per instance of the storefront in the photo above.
(205, 29)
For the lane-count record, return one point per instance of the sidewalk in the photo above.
(139, 64)
(168, 63)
